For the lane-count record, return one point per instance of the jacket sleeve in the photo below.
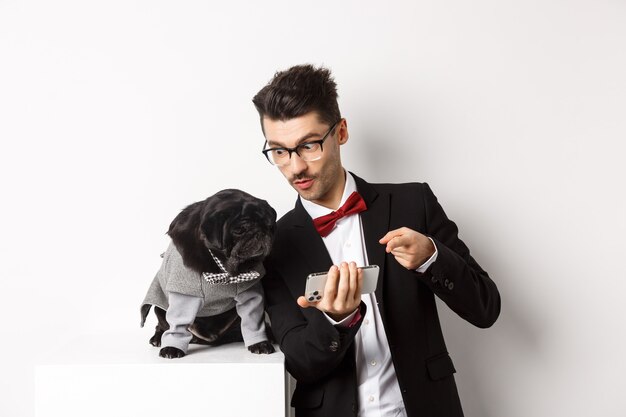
(455, 276)
(249, 304)
(180, 315)
(312, 346)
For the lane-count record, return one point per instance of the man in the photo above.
(379, 354)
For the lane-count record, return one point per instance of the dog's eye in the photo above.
(238, 230)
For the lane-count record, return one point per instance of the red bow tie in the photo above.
(353, 205)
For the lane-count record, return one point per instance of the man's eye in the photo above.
(279, 152)
(309, 147)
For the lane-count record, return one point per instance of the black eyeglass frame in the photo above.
(295, 149)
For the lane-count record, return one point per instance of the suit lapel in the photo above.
(308, 241)
(375, 222)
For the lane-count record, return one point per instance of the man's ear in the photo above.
(342, 132)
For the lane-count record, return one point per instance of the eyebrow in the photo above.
(302, 139)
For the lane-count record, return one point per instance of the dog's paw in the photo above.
(262, 347)
(170, 352)
(156, 339)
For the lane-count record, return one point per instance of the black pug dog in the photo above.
(208, 288)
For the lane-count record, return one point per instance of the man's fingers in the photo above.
(391, 234)
(352, 282)
(302, 302)
(398, 242)
(343, 286)
(358, 285)
(342, 292)
(354, 279)
(330, 290)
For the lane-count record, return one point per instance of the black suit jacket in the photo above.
(321, 357)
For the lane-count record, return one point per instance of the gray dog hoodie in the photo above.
(185, 295)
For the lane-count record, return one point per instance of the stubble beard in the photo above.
(322, 186)
(312, 194)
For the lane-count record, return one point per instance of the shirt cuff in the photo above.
(430, 260)
(349, 321)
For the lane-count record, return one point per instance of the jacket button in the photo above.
(451, 286)
(334, 345)
(446, 282)
(433, 279)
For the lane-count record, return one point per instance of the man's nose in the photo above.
(297, 164)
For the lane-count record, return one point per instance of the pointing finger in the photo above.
(398, 242)
(391, 234)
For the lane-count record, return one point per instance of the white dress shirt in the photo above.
(378, 389)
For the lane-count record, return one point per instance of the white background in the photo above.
(115, 115)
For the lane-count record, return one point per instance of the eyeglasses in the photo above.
(307, 151)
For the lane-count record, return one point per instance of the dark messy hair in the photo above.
(298, 91)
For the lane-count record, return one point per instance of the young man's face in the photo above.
(321, 181)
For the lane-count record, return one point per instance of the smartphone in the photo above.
(316, 282)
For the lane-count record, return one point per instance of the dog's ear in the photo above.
(219, 211)
(214, 225)
(268, 213)
(185, 234)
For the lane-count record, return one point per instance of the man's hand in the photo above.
(342, 293)
(410, 248)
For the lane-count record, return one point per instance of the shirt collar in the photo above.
(315, 210)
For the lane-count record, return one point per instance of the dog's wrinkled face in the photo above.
(239, 227)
